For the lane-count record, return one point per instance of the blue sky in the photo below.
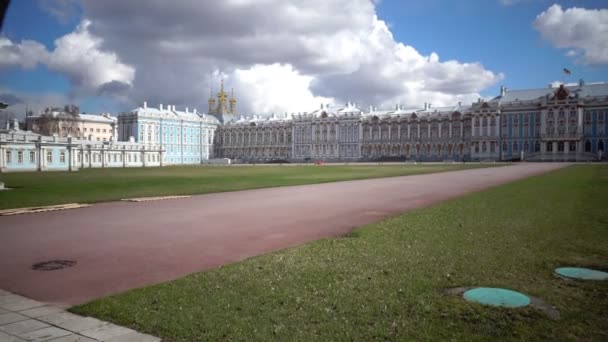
(500, 37)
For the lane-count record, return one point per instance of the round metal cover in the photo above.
(497, 297)
(581, 273)
(53, 265)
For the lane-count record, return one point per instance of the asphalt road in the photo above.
(123, 245)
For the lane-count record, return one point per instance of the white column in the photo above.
(473, 121)
(399, 132)
(488, 132)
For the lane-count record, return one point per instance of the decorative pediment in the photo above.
(562, 93)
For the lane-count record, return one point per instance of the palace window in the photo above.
(515, 147)
(587, 118)
(560, 146)
(98, 130)
(505, 147)
(476, 147)
(78, 157)
(9, 156)
(516, 120)
(62, 157)
(32, 156)
(572, 146)
(49, 157)
(587, 146)
(600, 145)
(549, 147)
(20, 157)
(537, 146)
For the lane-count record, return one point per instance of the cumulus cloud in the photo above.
(278, 55)
(78, 55)
(276, 88)
(579, 29)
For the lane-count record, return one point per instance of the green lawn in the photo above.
(386, 280)
(95, 185)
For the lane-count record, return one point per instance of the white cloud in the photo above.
(279, 55)
(578, 29)
(27, 54)
(78, 55)
(276, 88)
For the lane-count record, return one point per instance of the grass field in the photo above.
(386, 280)
(97, 185)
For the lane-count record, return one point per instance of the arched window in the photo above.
(587, 146)
(526, 146)
(560, 146)
(515, 147)
(49, 157)
(505, 147)
(600, 145)
(537, 146)
(62, 157)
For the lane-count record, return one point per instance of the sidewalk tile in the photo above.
(73, 338)
(134, 337)
(106, 332)
(8, 338)
(11, 317)
(40, 311)
(22, 305)
(45, 334)
(23, 327)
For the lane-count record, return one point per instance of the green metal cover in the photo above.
(497, 297)
(581, 273)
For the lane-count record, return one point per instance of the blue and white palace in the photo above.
(565, 123)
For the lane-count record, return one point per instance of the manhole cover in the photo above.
(53, 265)
(581, 273)
(497, 297)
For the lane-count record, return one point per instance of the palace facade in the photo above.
(547, 124)
(565, 123)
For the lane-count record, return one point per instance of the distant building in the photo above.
(28, 151)
(565, 123)
(186, 137)
(62, 123)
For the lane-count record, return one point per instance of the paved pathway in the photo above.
(23, 319)
(122, 245)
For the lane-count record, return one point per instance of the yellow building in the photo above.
(82, 126)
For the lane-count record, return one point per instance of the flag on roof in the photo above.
(566, 71)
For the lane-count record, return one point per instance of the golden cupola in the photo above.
(211, 102)
(232, 102)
